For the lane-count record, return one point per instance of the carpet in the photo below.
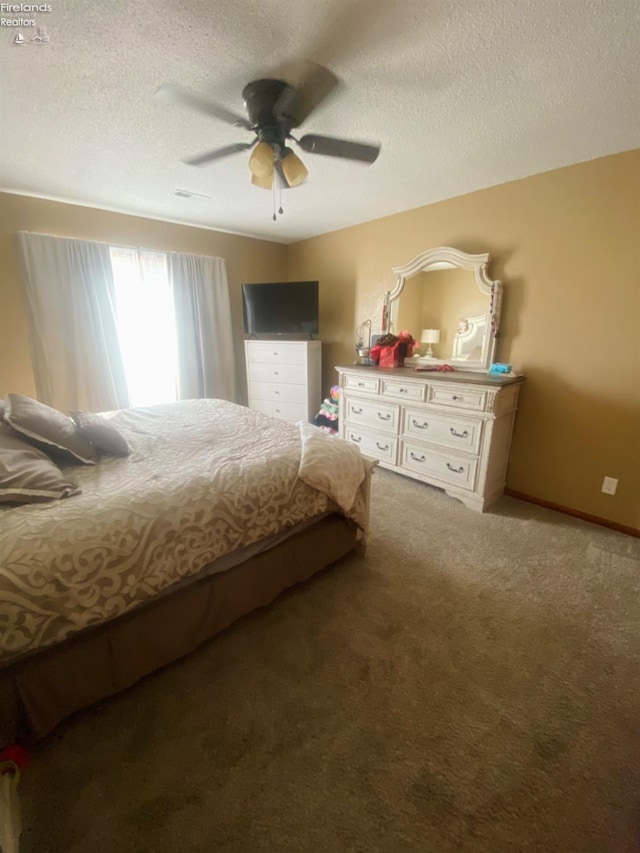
(471, 684)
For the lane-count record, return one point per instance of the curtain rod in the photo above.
(121, 245)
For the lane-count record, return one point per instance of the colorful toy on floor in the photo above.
(327, 417)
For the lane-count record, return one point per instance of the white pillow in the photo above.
(27, 475)
(48, 428)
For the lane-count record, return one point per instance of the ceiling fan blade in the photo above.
(332, 147)
(219, 153)
(310, 85)
(177, 95)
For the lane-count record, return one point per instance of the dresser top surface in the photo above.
(467, 377)
(284, 341)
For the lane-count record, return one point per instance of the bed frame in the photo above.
(38, 692)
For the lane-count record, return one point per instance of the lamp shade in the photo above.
(265, 183)
(430, 336)
(261, 164)
(294, 169)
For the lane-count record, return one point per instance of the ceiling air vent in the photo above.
(190, 194)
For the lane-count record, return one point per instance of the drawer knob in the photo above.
(277, 392)
(382, 446)
(404, 390)
(360, 384)
(424, 425)
(416, 458)
(458, 434)
(455, 470)
(275, 373)
(356, 438)
(382, 417)
(276, 353)
(455, 397)
(356, 411)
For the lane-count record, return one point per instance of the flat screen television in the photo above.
(281, 308)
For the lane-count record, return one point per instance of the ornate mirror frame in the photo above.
(445, 257)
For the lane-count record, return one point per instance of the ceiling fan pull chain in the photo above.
(277, 183)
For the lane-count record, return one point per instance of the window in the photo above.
(145, 320)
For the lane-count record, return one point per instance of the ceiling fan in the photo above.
(274, 108)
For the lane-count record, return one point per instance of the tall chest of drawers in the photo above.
(452, 430)
(284, 378)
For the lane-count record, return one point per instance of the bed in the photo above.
(217, 510)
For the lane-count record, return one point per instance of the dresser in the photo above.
(284, 378)
(452, 430)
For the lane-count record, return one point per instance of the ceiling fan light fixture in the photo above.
(294, 169)
(263, 183)
(261, 161)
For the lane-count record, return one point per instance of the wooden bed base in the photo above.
(38, 692)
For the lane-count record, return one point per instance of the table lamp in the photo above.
(430, 336)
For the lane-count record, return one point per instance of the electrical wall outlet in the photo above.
(609, 485)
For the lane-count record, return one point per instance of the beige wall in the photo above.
(566, 246)
(247, 260)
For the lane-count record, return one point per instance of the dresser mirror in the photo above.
(446, 299)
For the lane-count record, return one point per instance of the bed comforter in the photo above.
(204, 478)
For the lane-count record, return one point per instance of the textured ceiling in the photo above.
(461, 95)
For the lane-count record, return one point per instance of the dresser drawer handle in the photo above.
(275, 373)
(382, 417)
(356, 438)
(360, 384)
(355, 411)
(417, 458)
(459, 470)
(276, 353)
(382, 446)
(458, 434)
(424, 425)
(404, 390)
(276, 392)
(455, 397)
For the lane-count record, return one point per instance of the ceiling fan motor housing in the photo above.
(261, 98)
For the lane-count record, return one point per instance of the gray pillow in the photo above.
(27, 475)
(102, 434)
(48, 428)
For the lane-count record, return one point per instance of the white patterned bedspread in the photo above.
(204, 477)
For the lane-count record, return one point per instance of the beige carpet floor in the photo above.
(472, 684)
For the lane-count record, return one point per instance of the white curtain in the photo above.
(73, 335)
(206, 362)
